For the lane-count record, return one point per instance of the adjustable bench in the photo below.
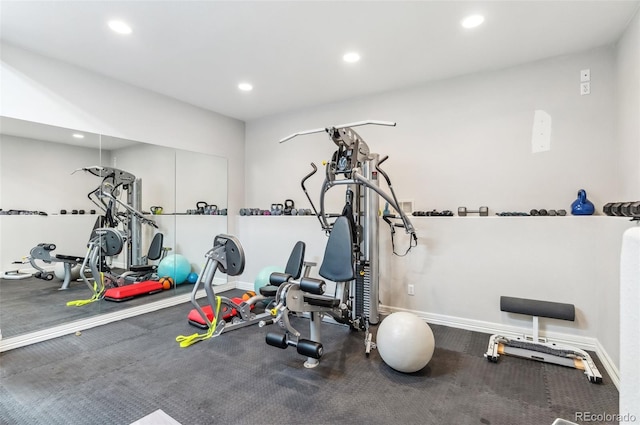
(536, 348)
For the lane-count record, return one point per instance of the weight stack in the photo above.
(363, 290)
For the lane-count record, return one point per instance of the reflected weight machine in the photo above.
(356, 298)
(106, 197)
(106, 239)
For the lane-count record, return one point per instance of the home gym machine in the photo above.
(106, 197)
(107, 240)
(355, 299)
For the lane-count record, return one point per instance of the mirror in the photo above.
(37, 182)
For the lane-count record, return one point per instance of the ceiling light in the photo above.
(472, 21)
(351, 57)
(120, 27)
(78, 135)
(245, 86)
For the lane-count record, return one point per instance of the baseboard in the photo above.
(582, 342)
(246, 286)
(18, 341)
(608, 364)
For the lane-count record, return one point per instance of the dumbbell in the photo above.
(276, 209)
(632, 209)
(482, 211)
(544, 212)
(622, 209)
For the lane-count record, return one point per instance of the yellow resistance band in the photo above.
(97, 294)
(186, 341)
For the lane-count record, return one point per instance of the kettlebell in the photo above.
(582, 206)
(200, 206)
(289, 205)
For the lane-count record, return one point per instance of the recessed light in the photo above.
(245, 86)
(351, 57)
(120, 27)
(472, 21)
(78, 135)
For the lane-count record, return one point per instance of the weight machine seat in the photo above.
(69, 258)
(154, 253)
(127, 292)
(321, 301)
(337, 264)
(227, 312)
(538, 308)
(293, 269)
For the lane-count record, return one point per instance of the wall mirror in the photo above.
(45, 199)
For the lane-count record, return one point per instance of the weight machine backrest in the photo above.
(337, 264)
(155, 249)
(296, 260)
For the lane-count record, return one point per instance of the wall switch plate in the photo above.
(411, 290)
(585, 88)
(585, 75)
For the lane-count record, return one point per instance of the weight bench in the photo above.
(536, 348)
(307, 295)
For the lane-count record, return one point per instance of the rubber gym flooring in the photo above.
(31, 304)
(121, 372)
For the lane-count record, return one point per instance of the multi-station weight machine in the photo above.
(106, 197)
(106, 239)
(355, 300)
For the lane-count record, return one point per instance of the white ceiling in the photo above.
(198, 51)
(37, 131)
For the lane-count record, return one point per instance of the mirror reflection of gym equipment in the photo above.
(24, 238)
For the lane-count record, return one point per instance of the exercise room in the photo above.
(225, 212)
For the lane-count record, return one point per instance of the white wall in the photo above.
(39, 89)
(42, 180)
(628, 103)
(464, 141)
(37, 175)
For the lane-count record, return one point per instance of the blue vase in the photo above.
(582, 206)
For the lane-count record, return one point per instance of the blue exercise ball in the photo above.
(192, 277)
(175, 266)
(262, 279)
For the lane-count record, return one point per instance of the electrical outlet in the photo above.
(411, 290)
(585, 88)
(585, 75)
